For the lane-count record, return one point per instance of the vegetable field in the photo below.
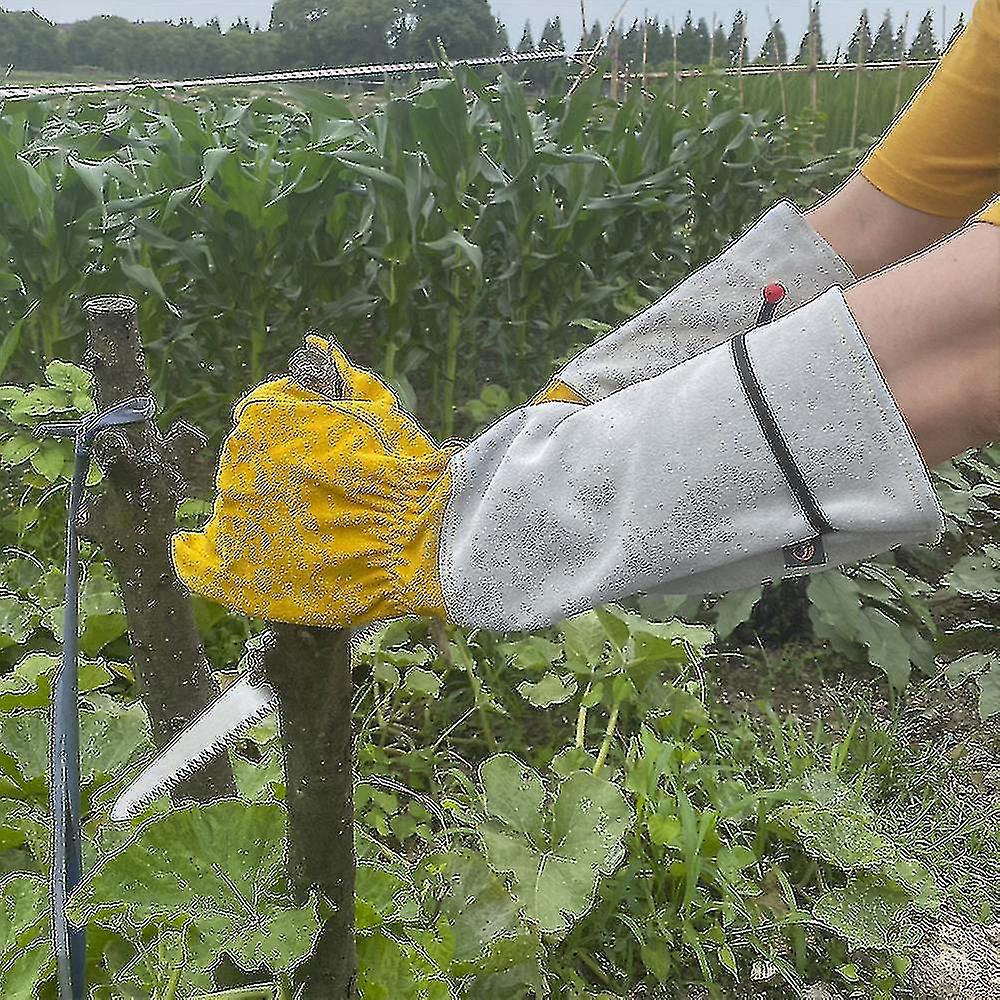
(760, 795)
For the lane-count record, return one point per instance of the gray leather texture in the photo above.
(670, 485)
(713, 304)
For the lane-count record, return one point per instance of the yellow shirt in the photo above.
(942, 155)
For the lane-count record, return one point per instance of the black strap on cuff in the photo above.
(772, 434)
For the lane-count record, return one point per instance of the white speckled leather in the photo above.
(670, 485)
(713, 304)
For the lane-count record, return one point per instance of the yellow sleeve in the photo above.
(992, 214)
(942, 154)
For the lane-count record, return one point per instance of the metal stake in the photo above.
(70, 942)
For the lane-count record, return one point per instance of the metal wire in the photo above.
(291, 76)
(582, 57)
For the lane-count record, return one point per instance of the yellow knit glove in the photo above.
(328, 511)
(557, 391)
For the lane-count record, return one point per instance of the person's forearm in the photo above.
(871, 231)
(933, 324)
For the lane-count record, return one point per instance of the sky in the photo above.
(838, 16)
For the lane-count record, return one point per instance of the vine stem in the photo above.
(592, 965)
(608, 736)
(244, 993)
(451, 359)
(581, 723)
(476, 686)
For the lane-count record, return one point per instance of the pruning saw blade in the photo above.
(242, 704)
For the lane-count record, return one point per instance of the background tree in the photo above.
(28, 41)
(591, 38)
(884, 45)
(813, 35)
(527, 43)
(660, 43)
(466, 28)
(630, 49)
(899, 43)
(739, 52)
(774, 51)
(354, 31)
(692, 42)
(552, 36)
(859, 48)
(719, 50)
(924, 45)
(957, 30)
(503, 39)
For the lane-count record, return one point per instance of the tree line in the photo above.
(697, 44)
(303, 33)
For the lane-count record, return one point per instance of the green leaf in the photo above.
(513, 793)
(970, 665)
(555, 878)
(887, 646)
(18, 448)
(279, 939)
(394, 970)
(29, 684)
(989, 692)
(17, 619)
(863, 912)
(533, 653)
(550, 690)
(477, 904)
(28, 969)
(40, 401)
(23, 904)
(977, 575)
(615, 626)
(734, 609)
(841, 835)
(68, 377)
(422, 682)
(511, 970)
(193, 861)
(664, 830)
(144, 277)
(584, 638)
(49, 460)
(461, 247)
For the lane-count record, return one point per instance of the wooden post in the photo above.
(614, 64)
(645, 34)
(673, 31)
(858, 73)
(310, 669)
(813, 60)
(739, 64)
(132, 521)
(902, 65)
(778, 63)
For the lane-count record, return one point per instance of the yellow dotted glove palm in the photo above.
(328, 511)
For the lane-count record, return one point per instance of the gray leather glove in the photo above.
(708, 307)
(775, 454)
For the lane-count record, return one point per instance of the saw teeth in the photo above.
(127, 806)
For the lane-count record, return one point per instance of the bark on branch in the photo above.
(310, 669)
(132, 521)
